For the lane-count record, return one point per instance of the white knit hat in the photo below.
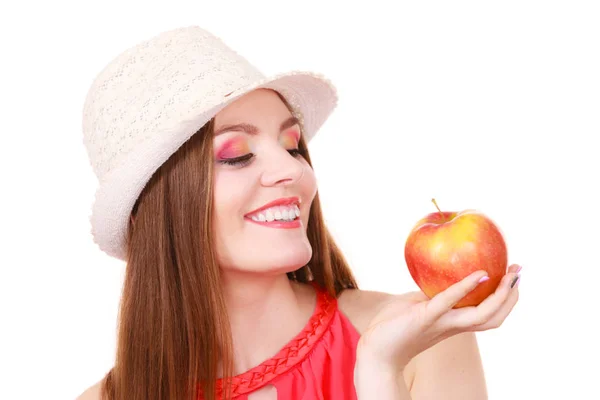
(154, 96)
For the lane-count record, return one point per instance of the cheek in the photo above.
(308, 186)
(231, 194)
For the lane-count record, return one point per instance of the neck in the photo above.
(265, 313)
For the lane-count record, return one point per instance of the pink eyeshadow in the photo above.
(290, 139)
(233, 148)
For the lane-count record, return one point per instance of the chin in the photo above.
(285, 260)
(274, 260)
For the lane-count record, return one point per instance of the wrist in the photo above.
(369, 359)
(374, 380)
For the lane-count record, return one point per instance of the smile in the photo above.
(281, 213)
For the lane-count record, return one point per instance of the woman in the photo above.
(233, 284)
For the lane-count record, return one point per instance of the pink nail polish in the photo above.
(483, 279)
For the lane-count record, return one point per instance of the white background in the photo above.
(486, 105)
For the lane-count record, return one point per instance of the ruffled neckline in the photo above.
(291, 354)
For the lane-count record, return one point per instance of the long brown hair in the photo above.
(174, 335)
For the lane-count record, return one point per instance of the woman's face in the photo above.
(263, 188)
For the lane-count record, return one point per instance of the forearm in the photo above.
(376, 382)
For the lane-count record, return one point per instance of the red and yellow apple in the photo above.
(445, 247)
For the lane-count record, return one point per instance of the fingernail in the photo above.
(483, 279)
(514, 281)
(519, 269)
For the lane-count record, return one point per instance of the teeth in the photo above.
(283, 213)
(270, 216)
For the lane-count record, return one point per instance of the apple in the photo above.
(445, 247)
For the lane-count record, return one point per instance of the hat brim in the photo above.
(311, 94)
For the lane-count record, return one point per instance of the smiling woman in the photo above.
(234, 287)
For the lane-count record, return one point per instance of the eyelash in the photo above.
(244, 160)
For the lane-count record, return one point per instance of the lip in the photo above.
(284, 201)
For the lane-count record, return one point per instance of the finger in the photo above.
(498, 319)
(442, 302)
(469, 317)
(515, 268)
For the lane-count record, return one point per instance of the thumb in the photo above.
(416, 297)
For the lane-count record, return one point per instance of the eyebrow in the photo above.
(253, 130)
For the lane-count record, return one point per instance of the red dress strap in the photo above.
(317, 364)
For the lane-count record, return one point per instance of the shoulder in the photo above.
(91, 393)
(360, 306)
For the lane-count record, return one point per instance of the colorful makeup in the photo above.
(239, 152)
(289, 140)
(233, 148)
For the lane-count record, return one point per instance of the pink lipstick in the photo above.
(282, 213)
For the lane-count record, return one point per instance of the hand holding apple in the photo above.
(449, 256)
(445, 247)
(410, 323)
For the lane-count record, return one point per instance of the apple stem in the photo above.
(436, 206)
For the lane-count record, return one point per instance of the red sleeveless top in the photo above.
(317, 364)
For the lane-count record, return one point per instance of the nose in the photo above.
(281, 168)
